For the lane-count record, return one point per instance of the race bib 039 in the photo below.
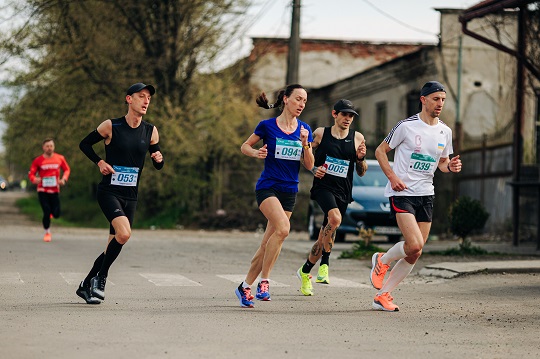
(420, 163)
(125, 176)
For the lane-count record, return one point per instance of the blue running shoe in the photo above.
(262, 291)
(244, 295)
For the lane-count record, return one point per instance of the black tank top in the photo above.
(343, 149)
(127, 148)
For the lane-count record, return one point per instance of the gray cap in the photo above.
(344, 106)
(139, 86)
(431, 87)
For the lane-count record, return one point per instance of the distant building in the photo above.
(322, 62)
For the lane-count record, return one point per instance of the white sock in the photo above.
(396, 252)
(245, 285)
(397, 274)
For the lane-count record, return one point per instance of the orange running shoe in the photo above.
(378, 271)
(384, 302)
(47, 237)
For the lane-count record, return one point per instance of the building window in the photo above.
(380, 125)
(413, 103)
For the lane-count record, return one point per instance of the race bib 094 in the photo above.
(288, 150)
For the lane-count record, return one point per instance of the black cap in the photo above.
(139, 86)
(344, 106)
(431, 87)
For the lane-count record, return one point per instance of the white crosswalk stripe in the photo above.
(177, 280)
(344, 283)
(11, 278)
(169, 280)
(238, 278)
(75, 278)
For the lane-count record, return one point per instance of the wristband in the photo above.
(307, 147)
(449, 170)
(360, 159)
(314, 170)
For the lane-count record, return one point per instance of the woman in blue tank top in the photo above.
(286, 145)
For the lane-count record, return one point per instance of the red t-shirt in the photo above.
(48, 169)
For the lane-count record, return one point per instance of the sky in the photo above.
(364, 20)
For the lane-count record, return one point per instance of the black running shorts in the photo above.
(113, 207)
(327, 201)
(287, 200)
(420, 206)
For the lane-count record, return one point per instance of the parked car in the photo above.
(369, 209)
(3, 184)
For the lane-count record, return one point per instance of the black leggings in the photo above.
(50, 204)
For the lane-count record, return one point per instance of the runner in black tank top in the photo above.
(127, 139)
(337, 150)
(340, 184)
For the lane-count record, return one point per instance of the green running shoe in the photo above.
(305, 278)
(322, 275)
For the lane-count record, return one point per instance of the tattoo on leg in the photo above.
(315, 250)
(328, 229)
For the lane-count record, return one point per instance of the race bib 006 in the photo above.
(125, 176)
(49, 181)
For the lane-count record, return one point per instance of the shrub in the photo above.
(466, 216)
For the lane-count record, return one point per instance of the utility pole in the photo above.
(294, 45)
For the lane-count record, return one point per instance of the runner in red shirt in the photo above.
(48, 181)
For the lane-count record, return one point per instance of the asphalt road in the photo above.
(171, 295)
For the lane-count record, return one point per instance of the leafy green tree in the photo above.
(70, 63)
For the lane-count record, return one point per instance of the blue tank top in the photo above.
(282, 164)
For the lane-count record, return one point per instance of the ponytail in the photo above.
(262, 100)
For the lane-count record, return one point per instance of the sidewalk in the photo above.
(299, 244)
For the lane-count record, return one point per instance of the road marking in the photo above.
(75, 278)
(169, 280)
(11, 278)
(344, 283)
(239, 278)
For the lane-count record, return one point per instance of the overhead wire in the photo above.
(397, 20)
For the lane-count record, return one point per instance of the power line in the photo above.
(397, 20)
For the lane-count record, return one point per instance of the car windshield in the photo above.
(374, 177)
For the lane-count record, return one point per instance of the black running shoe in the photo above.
(97, 286)
(84, 293)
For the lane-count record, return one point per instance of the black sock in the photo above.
(325, 259)
(113, 250)
(306, 268)
(95, 269)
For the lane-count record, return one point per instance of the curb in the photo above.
(455, 269)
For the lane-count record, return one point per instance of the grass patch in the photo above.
(30, 206)
(464, 251)
(361, 250)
